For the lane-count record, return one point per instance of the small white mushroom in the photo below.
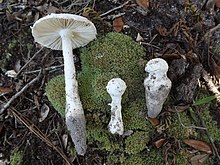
(66, 32)
(157, 86)
(116, 88)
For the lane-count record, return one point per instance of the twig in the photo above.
(116, 8)
(46, 69)
(34, 129)
(25, 65)
(192, 126)
(211, 86)
(209, 136)
(19, 93)
(208, 35)
(148, 44)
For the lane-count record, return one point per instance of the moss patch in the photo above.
(55, 91)
(16, 158)
(113, 55)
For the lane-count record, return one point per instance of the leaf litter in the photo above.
(184, 33)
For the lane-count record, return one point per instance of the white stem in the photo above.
(116, 87)
(75, 118)
(116, 122)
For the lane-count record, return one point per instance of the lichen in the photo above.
(16, 158)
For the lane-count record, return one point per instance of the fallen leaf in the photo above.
(154, 121)
(4, 90)
(143, 3)
(199, 145)
(52, 9)
(199, 159)
(118, 24)
(217, 3)
(1, 128)
(159, 142)
(44, 112)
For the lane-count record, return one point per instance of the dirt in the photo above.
(180, 32)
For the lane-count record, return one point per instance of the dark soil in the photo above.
(177, 31)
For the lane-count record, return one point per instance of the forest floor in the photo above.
(186, 33)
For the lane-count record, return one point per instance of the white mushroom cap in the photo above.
(116, 87)
(156, 65)
(46, 30)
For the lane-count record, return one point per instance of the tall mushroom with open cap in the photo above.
(66, 32)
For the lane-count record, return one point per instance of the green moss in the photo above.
(177, 130)
(113, 55)
(134, 116)
(153, 157)
(133, 160)
(92, 88)
(210, 124)
(71, 151)
(55, 91)
(102, 138)
(182, 157)
(110, 56)
(16, 158)
(136, 142)
(115, 158)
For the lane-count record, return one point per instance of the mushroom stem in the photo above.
(116, 88)
(116, 124)
(75, 118)
(157, 86)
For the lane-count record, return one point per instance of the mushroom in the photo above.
(116, 87)
(66, 32)
(157, 86)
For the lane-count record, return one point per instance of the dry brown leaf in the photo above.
(199, 145)
(154, 121)
(1, 128)
(217, 3)
(199, 159)
(5, 90)
(143, 3)
(118, 24)
(159, 142)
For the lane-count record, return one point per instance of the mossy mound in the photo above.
(110, 56)
(100, 64)
(114, 55)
